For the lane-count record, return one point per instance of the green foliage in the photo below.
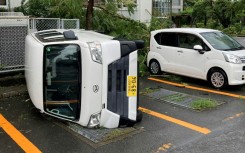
(160, 23)
(201, 104)
(212, 24)
(230, 30)
(200, 25)
(143, 69)
(3, 10)
(242, 33)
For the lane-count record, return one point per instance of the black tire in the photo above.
(139, 116)
(218, 79)
(154, 67)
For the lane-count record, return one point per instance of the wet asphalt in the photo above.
(226, 123)
(158, 135)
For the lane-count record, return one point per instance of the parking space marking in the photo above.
(164, 148)
(234, 117)
(19, 138)
(176, 121)
(198, 88)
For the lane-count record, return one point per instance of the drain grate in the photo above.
(176, 98)
(101, 136)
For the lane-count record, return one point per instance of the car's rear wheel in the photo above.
(155, 67)
(218, 79)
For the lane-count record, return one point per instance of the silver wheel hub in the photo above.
(154, 68)
(217, 79)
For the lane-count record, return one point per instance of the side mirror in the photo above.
(199, 49)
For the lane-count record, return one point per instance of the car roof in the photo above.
(185, 30)
(57, 35)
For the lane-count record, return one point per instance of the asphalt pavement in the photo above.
(165, 127)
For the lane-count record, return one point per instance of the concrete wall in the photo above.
(142, 11)
(15, 3)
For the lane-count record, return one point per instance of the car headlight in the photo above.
(232, 58)
(96, 51)
(94, 120)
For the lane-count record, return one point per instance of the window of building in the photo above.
(176, 3)
(3, 2)
(163, 7)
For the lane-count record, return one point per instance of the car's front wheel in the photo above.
(218, 79)
(154, 67)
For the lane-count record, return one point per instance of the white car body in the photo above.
(86, 99)
(189, 62)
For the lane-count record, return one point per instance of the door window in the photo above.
(62, 75)
(166, 39)
(189, 41)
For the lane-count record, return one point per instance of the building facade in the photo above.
(142, 11)
(162, 8)
(145, 9)
(9, 4)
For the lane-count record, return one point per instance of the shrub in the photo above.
(200, 25)
(230, 30)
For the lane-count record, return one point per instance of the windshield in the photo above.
(222, 41)
(62, 74)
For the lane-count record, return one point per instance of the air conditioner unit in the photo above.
(13, 30)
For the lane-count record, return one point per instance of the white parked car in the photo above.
(199, 53)
(83, 77)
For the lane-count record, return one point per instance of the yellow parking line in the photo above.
(20, 139)
(176, 121)
(197, 88)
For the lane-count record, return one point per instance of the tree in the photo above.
(240, 11)
(201, 11)
(223, 10)
(89, 15)
(108, 6)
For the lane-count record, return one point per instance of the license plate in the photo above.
(131, 86)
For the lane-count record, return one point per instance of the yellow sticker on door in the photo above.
(131, 86)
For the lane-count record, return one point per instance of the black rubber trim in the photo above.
(125, 122)
(127, 47)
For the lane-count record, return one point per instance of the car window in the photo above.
(189, 41)
(166, 39)
(222, 41)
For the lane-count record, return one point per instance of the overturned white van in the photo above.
(83, 77)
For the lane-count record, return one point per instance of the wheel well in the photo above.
(154, 60)
(215, 68)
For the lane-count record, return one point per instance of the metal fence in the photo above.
(13, 31)
(53, 23)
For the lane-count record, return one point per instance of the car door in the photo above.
(166, 45)
(190, 62)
